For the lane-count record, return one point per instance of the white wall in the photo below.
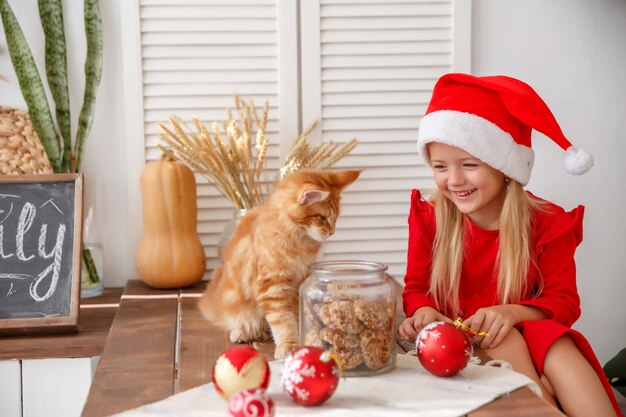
(104, 163)
(571, 51)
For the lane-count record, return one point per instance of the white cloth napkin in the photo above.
(408, 390)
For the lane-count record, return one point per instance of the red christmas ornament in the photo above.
(239, 368)
(310, 375)
(443, 349)
(251, 403)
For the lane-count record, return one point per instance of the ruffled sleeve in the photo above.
(421, 238)
(558, 233)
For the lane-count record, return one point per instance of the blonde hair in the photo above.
(514, 254)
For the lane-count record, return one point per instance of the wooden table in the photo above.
(51, 374)
(95, 319)
(160, 345)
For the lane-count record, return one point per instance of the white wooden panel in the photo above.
(219, 25)
(207, 2)
(203, 105)
(209, 64)
(289, 92)
(384, 48)
(55, 387)
(404, 35)
(420, 9)
(371, 76)
(366, 247)
(161, 115)
(372, 136)
(190, 89)
(10, 389)
(363, 68)
(206, 11)
(409, 2)
(185, 38)
(237, 76)
(193, 56)
(379, 221)
(390, 22)
(392, 85)
(152, 129)
(165, 51)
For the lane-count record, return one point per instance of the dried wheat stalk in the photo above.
(325, 155)
(227, 156)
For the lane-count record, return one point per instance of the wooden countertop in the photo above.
(95, 319)
(160, 345)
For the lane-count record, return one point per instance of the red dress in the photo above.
(556, 234)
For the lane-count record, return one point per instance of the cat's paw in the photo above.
(284, 349)
(242, 336)
(236, 336)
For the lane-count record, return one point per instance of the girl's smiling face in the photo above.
(477, 189)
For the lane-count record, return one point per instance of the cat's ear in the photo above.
(312, 196)
(345, 178)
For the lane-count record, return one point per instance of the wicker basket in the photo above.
(20, 149)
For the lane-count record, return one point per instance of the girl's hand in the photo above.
(495, 320)
(411, 326)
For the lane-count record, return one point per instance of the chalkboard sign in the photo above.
(40, 253)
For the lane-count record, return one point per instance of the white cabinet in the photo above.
(10, 388)
(362, 69)
(55, 387)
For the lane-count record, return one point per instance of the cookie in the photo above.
(376, 348)
(340, 315)
(371, 313)
(339, 339)
(349, 358)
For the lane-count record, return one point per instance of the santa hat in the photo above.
(492, 118)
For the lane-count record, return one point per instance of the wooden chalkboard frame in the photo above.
(59, 324)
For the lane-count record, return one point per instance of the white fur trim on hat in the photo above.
(577, 161)
(479, 137)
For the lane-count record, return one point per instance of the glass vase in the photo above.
(91, 273)
(92, 256)
(227, 232)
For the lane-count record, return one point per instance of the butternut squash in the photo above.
(170, 254)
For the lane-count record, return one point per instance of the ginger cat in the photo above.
(255, 290)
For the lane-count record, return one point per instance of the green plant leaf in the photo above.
(31, 85)
(51, 15)
(93, 74)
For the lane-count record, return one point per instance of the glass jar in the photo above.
(228, 231)
(349, 308)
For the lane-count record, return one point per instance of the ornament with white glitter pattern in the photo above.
(310, 375)
(443, 349)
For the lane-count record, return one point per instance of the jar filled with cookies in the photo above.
(349, 309)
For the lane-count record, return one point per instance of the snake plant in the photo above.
(64, 154)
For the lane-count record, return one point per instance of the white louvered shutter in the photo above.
(195, 54)
(364, 69)
(368, 71)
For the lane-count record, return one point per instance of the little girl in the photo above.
(487, 251)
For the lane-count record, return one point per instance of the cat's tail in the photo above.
(207, 304)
